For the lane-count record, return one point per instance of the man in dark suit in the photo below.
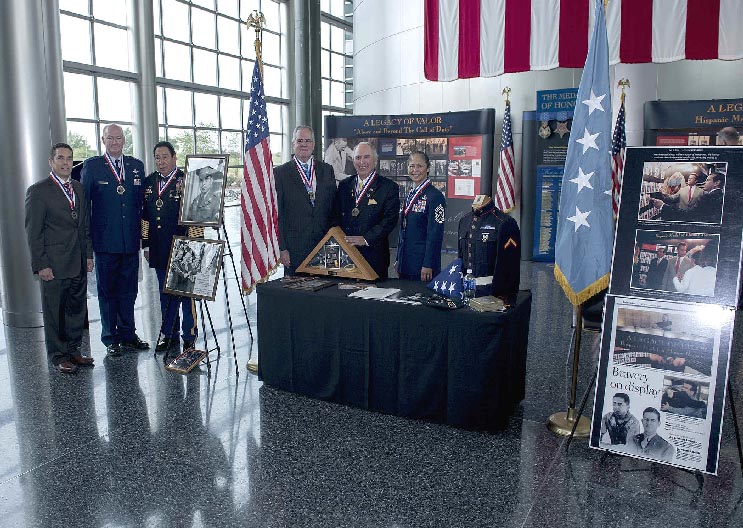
(657, 269)
(114, 190)
(162, 202)
(57, 227)
(305, 193)
(369, 205)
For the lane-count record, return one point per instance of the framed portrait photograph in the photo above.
(193, 267)
(203, 190)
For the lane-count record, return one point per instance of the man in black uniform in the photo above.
(162, 201)
(490, 245)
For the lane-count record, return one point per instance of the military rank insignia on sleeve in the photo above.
(439, 214)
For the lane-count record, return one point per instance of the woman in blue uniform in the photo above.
(421, 224)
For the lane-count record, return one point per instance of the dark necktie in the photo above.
(68, 188)
(118, 165)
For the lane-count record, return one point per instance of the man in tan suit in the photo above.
(57, 226)
(688, 195)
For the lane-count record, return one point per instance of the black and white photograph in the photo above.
(685, 397)
(682, 192)
(203, 193)
(193, 267)
(406, 146)
(436, 146)
(663, 340)
(339, 155)
(439, 169)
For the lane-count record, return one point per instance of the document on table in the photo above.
(377, 294)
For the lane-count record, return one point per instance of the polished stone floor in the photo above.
(128, 443)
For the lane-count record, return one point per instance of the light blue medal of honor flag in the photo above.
(585, 223)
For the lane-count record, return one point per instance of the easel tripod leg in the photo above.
(731, 399)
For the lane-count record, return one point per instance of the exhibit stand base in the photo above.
(565, 423)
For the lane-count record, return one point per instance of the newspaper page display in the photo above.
(668, 320)
(662, 377)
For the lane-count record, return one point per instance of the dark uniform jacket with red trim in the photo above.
(490, 245)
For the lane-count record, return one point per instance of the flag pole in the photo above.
(562, 423)
(578, 281)
(256, 20)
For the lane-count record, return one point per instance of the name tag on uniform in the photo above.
(372, 201)
(102, 182)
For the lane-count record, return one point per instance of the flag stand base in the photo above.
(562, 423)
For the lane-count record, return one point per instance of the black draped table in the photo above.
(459, 367)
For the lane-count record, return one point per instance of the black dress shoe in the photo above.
(66, 367)
(188, 345)
(82, 361)
(137, 344)
(113, 350)
(164, 344)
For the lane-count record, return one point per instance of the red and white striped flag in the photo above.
(259, 233)
(486, 38)
(505, 191)
(619, 143)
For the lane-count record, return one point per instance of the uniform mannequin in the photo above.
(490, 245)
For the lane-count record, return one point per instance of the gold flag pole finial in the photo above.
(623, 83)
(256, 20)
(506, 91)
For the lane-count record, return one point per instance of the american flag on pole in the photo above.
(486, 38)
(585, 227)
(619, 143)
(505, 194)
(259, 233)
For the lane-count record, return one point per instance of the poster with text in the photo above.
(459, 146)
(680, 225)
(660, 390)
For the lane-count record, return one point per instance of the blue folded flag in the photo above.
(448, 283)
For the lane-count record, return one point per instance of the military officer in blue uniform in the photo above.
(421, 224)
(114, 190)
(162, 202)
(369, 205)
(490, 245)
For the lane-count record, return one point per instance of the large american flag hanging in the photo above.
(505, 194)
(585, 226)
(486, 38)
(259, 240)
(619, 143)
